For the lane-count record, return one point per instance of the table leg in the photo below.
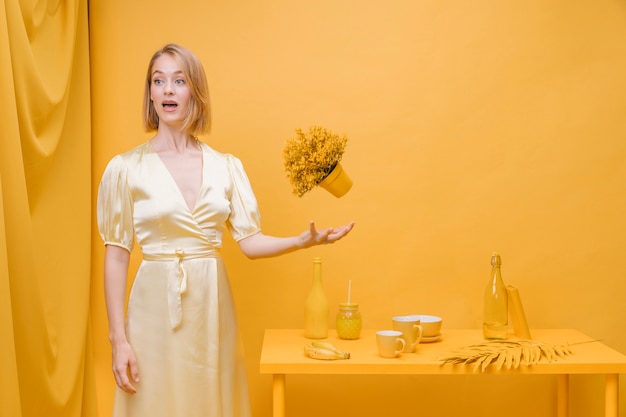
(611, 395)
(278, 395)
(562, 399)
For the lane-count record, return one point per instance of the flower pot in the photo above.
(337, 182)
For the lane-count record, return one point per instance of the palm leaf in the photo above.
(506, 353)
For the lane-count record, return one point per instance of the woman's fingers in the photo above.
(329, 235)
(338, 233)
(125, 368)
(123, 381)
(134, 371)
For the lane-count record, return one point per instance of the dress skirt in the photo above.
(197, 369)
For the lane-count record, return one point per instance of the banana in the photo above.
(330, 346)
(325, 351)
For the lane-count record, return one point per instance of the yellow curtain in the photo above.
(45, 210)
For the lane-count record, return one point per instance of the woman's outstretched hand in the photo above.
(259, 245)
(313, 236)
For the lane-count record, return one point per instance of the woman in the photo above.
(178, 352)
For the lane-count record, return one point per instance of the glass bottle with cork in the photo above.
(495, 313)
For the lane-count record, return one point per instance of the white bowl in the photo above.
(431, 325)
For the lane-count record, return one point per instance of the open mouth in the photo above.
(169, 105)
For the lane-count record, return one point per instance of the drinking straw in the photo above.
(349, 289)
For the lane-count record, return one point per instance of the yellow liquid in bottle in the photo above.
(495, 331)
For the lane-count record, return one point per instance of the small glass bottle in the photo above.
(349, 321)
(495, 314)
(316, 308)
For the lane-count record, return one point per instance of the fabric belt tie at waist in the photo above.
(177, 280)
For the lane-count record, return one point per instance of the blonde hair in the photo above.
(198, 118)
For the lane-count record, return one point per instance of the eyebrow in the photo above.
(161, 72)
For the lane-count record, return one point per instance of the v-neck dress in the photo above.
(181, 319)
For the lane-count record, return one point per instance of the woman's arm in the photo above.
(116, 261)
(263, 246)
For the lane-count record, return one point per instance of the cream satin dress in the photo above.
(181, 319)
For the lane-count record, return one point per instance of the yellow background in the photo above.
(473, 127)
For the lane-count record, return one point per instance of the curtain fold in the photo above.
(45, 213)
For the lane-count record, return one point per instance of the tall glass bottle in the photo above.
(495, 314)
(316, 308)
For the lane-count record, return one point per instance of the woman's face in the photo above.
(169, 91)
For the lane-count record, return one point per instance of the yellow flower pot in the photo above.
(337, 182)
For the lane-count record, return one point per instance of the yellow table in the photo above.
(282, 354)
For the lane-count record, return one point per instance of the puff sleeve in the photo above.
(115, 206)
(244, 219)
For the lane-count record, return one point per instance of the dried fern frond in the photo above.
(507, 353)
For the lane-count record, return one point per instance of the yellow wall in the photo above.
(473, 126)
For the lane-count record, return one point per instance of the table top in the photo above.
(283, 353)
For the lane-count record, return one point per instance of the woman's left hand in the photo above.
(259, 245)
(325, 236)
